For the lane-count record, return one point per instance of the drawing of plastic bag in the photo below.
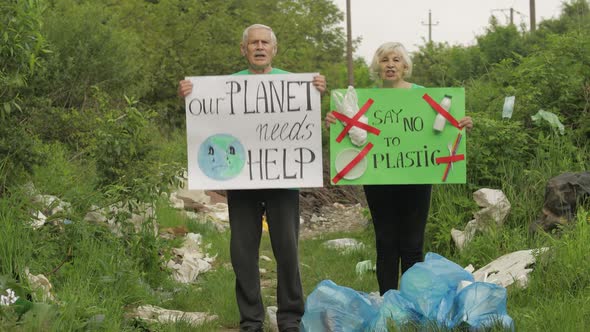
(347, 104)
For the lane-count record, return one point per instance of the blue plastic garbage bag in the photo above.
(395, 310)
(432, 285)
(430, 293)
(482, 305)
(336, 308)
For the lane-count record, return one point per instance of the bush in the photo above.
(126, 152)
(496, 145)
(88, 49)
(19, 153)
(20, 52)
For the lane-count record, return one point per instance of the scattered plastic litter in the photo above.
(395, 309)
(549, 117)
(344, 243)
(336, 308)
(431, 285)
(508, 107)
(481, 304)
(434, 291)
(363, 267)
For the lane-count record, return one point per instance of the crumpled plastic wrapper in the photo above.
(347, 104)
(549, 117)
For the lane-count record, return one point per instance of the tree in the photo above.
(500, 42)
(88, 49)
(20, 57)
(21, 50)
(440, 65)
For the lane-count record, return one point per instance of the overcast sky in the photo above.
(458, 21)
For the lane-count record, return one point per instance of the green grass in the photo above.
(68, 177)
(93, 284)
(15, 248)
(558, 295)
(98, 278)
(319, 263)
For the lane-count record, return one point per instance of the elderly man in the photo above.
(246, 207)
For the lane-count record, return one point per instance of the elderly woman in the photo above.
(399, 212)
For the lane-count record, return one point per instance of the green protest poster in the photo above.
(398, 136)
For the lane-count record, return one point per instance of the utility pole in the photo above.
(349, 45)
(430, 24)
(512, 11)
(533, 20)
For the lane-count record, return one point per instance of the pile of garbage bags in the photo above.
(434, 292)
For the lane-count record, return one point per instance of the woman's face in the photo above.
(392, 67)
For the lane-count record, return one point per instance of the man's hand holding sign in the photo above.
(275, 139)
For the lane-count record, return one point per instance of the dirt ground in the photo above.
(326, 209)
(332, 209)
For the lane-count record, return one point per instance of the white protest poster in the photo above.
(254, 131)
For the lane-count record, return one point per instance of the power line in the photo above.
(511, 12)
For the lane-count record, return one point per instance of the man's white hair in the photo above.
(273, 37)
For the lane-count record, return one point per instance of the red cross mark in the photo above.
(441, 110)
(359, 124)
(352, 163)
(355, 120)
(452, 158)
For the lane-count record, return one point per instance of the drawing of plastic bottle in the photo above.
(440, 120)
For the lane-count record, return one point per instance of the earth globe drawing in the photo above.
(221, 157)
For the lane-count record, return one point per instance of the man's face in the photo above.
(259, 49)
